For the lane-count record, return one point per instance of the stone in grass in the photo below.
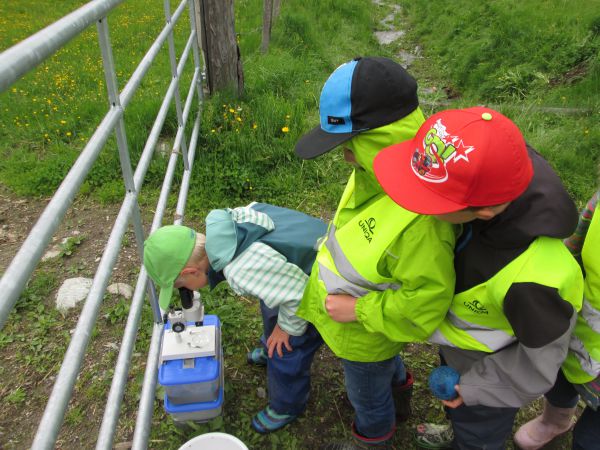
(122, 289)
(71, 292)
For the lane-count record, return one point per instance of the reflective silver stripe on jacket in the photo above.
(490, 337)
(588, 364)
(592, 318)
(337, 285)
(591, 315)
(347, 270)
(438, 338)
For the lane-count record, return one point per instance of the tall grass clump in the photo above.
(507, 49)
(536, 61)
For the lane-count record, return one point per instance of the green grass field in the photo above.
(522, 58)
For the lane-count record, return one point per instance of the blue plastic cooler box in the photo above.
(196, 412)
(196, 384)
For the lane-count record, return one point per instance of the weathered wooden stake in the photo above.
(267, 21)
(219, 45)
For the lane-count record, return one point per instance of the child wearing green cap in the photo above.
(262, 251)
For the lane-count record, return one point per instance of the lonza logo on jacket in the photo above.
(476, 306)
(367, 226)
(438, 149)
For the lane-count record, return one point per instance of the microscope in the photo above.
(191, 362)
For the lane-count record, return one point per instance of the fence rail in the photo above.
(15, 62)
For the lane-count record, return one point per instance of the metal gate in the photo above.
(14, 64)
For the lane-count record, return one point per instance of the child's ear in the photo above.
(187, 270)
(485, 213)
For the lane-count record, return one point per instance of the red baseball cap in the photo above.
(459, 158)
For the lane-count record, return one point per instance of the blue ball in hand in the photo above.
(442, 381)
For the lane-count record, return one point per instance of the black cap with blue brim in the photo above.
(360, 95)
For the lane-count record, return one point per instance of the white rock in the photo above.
(52, 253)
(261, 392)
(72, 291)
(121, 289)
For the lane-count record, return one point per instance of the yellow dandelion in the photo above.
(231, 110)
(213, 131)
(285, 129)
(254, 126)
(239, 119)
(68, 133)
(287, 116)
(63, 122)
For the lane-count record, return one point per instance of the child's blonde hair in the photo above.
(198, 253)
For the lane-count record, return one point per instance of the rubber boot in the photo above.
(402, 394)
(538, 432)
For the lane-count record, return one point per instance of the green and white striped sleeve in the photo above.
(247, 214)
(265, 273)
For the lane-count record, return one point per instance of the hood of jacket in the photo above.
(368, 144)
(544, 209)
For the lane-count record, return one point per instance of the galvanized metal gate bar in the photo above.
(14, 63)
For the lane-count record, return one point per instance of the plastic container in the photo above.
(195, 412)
(214, 441)
(196, 384)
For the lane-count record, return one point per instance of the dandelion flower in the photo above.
(285, 129)
(239, 119)
(68, 133)
(63, 122)
(254, 126)
(231, 110)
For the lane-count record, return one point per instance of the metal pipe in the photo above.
(144, 65)
(20, 269)
(47, 431)
(27, 54)
(117, 388)
(146, 405)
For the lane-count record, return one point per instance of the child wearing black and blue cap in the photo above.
(383, 276)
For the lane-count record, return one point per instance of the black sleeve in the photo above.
(537, 313)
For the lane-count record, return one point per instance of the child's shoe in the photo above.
(434, 436)
(383, 442)
(538, 432)
(257, 357)
(268, 420)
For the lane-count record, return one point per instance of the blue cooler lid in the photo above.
(192, 407)
(206, 368)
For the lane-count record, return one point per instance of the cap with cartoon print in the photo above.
(459, 158)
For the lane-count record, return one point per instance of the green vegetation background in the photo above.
(521, 58)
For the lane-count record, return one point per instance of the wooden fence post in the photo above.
(267, 21)
(219, 45)
(276, 8)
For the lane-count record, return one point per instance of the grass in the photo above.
(519, 57)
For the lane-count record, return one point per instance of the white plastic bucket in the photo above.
(214, 441)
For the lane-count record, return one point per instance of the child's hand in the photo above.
(276, 340)
(340, 307)
(455, 402)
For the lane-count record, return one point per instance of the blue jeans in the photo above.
(369, 388)
(288, 377)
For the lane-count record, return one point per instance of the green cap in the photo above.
(166, 253)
